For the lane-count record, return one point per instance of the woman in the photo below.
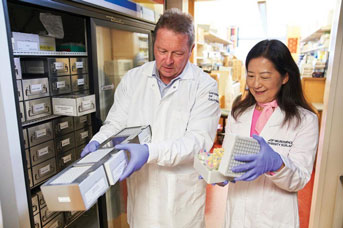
(274, 112)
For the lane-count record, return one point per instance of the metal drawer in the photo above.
(83, 135)
(65, 159)
(58, 66)
(65, 143)
(20, 90)
(57, 222)
(43, 171)
(42, 152)
(60, 85)
(78, 151)
(36, 219)
(47, 215)
(41, 200)
(38, 108)
(82, 121)
(63, 126)
(40, 133)
(35, 206)
(35, 88)
(70, 215)
(80, 82)
(78, 65)
(29, 173)
(17, 68)
(22, 112)
(33, 66)
(26, 142)
(28, 160)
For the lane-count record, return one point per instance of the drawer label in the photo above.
(38, 107)
(80, 81)
(64, 125)
(59, 65)
(44, 170)
(61, 84)
(43, 151)
(36, 88)
(65, 142)
(64, 110)
(87, 104)
(83, 119)
(64, 199)
(78, 65)
(66, 158)
(40, 133)
(84, 134)
(93, 193)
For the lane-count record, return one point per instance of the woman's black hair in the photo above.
(290, 95)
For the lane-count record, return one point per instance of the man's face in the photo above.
(172, 53)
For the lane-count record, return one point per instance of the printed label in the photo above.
(84, 134)
(83, 119)
(80, 81)
(78, 65)
(61, 84)
(27, 46)
(38, 107)
(43, 151)
(65, 142)
(59, 65)
(36, 88)
(40, 133)
(64, 125)
(64, 110)
(44, 170)
(64, 199)
(95, 191)
(66, 158)
(86, 104)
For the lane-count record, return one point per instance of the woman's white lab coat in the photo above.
(166, 192)
(271, 201)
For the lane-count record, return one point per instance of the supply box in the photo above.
(78, 187)
(73, 105)
(216, 167)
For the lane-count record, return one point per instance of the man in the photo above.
(180, 103)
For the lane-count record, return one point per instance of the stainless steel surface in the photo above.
(27, 157)
(43, 171)
(57, 222)
(20, 90)
(33, 66)
(80, 82)
(78, 65)
(35, 88)
(17, 68)
(60, 85)
(41, 200)
(29, 174)
(82, 136)
(35, 206)
(58, 66)
(26, 141)
(22, 112)
(64, 143)
(40, 133)
(42, 152)
(82, 121)
(38, 108)
(65, 159)
(47, 215)
(63, 125)
(37, 222)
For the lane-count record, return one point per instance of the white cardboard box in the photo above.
(25, 41)
(73, 105)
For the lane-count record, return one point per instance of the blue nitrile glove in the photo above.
(90, 147)
(139, 155)
(266, 160)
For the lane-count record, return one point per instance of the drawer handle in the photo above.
(54, 85)
(36, 157)
(31, 113)
(83, 110)
(29, 93)
(34, 208)
(37, 176)
(34, 137)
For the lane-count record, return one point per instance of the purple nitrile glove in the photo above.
(90, 147)
(266, 160)
(139, 155)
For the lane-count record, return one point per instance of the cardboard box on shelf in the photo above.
(47, 43)
(25, 41)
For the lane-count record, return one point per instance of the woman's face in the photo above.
(263, 80)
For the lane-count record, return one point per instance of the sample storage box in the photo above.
(73, 105)
(77, 187)
(233, 145)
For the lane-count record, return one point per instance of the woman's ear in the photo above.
(285, 79)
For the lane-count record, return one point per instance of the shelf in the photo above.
(38, 120)
(213, 38)
(316, 35)
(48, 53)
(314, 50)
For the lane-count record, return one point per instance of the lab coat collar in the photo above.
(186, 73)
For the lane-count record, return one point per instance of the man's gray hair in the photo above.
(177, 21)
